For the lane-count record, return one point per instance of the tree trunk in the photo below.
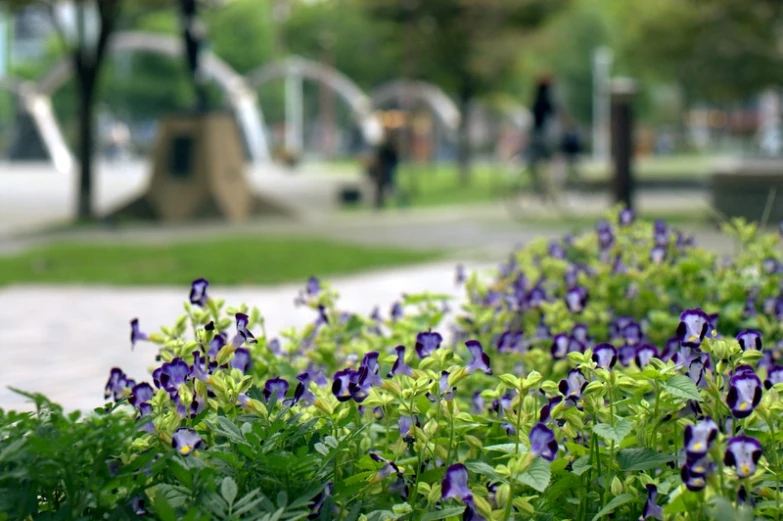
(86, 78)
(463, 139)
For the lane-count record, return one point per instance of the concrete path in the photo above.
(62, 341)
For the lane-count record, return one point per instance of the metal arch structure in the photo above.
(39, 107)
(406, 91)
(241, 98)
(297, 67)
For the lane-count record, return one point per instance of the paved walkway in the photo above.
(62, 341)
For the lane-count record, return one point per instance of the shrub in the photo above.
(621, 373)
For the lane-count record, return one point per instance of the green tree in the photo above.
(715, 50)
(468, 47)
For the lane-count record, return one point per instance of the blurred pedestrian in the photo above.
(540, 145)
(571, 147)
(385, 171)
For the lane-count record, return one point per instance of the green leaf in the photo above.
(641, 459)
(508, 448)
(581, 465)
(228, 489)
(230, 430)
(537, 475)
(682, 387)
(614, 504)
(479, 467)
(163, 508)
(616, 432)
(442, 514)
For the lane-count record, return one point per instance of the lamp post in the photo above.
(623, 93)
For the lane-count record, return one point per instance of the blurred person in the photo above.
(544, 115)
(385, 171)
(119, 141)
(571, 147)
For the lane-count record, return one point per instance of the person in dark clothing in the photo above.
(543, 111)
(571, 146)
(385, 171)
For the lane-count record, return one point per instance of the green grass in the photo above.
(239, 260)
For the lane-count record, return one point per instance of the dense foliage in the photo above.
(624, 373)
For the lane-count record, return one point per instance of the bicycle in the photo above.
(525, 187)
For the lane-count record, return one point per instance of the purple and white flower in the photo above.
(455, 484)
(572, 385)
(427, 342)
(542, 442)
(275, 386)
(744, 393)
(699, 438)
(480, 360)
(185, 440)
(694, 326)
(576, 299)
(136, 334)
(749, 339)
(243, 334)
(198, 292)
(651, 508)
(241, 360)
(743, 453)
(645, 353)
(774, 376)
(605, 355)
(400, 367)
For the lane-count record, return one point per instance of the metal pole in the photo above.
(623, 91)
(293, 113)
(602, 67)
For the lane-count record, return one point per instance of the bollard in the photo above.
(622, 94)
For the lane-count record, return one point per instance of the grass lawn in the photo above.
(239, 260)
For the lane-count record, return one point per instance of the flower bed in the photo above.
(623, 373)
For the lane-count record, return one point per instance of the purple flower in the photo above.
(660, 233)
(243, 335)
(605, 235)
(141, 393)
(137, 505)
(302, 395)
(556, 251)
(480, 360)
(173, 374)
(536, 296)
(510, 429)
(605, 355)
(699, 438)
(399, 487)
(406, 423)
(216, 344)
(542, 442)
(241, 360)
(500, 405)
(477, 403)
(396, 312)
(455, 484)
(443, 388)
(470, 513)
(626, 217)
(744, 393)
(277, 386)
(651, 508)
(658, 254)
(743, 453)
(770, 266)
(198, 292)
(545, 416)
(460, 276)
(576, 299)
(749, 339)
(580, 333)
(387, 470)
(341, 384)
(118, 385)
(370, 362)
(509, 341)
(644, 353)
(559, 347)
(694, 326)
(671, 348)
(320, 500)
(427, 342)
(185, 440)
(693, 481)
(572, 386)
(632, 332)
(400, 367)
(136, 334)
(626, 354)
(313, 286)
(696, 371)
(774, 376)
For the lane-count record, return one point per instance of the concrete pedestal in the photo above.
(199, 172)
(742, 188)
